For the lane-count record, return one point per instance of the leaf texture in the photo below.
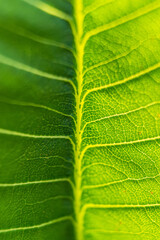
(79, 119)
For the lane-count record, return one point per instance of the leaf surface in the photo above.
(79, 119)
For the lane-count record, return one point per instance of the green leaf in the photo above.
(79, 119)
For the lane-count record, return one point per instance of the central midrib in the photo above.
(78, 17)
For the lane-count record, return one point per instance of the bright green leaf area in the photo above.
(79, 120)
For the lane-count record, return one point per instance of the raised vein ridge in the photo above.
(78, 17)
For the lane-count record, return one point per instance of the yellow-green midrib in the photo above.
(78, 17)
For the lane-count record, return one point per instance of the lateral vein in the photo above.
(30, 104)
(118, 181)
(123, 81)
(27, 135)
(4, 185)
(120, 114)
(110, 206)
(21, 66)
(49, 9)
(37, 38)
(65, 218)
(134, 15)
(90, 9)
(118, 144)
(117, 57)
